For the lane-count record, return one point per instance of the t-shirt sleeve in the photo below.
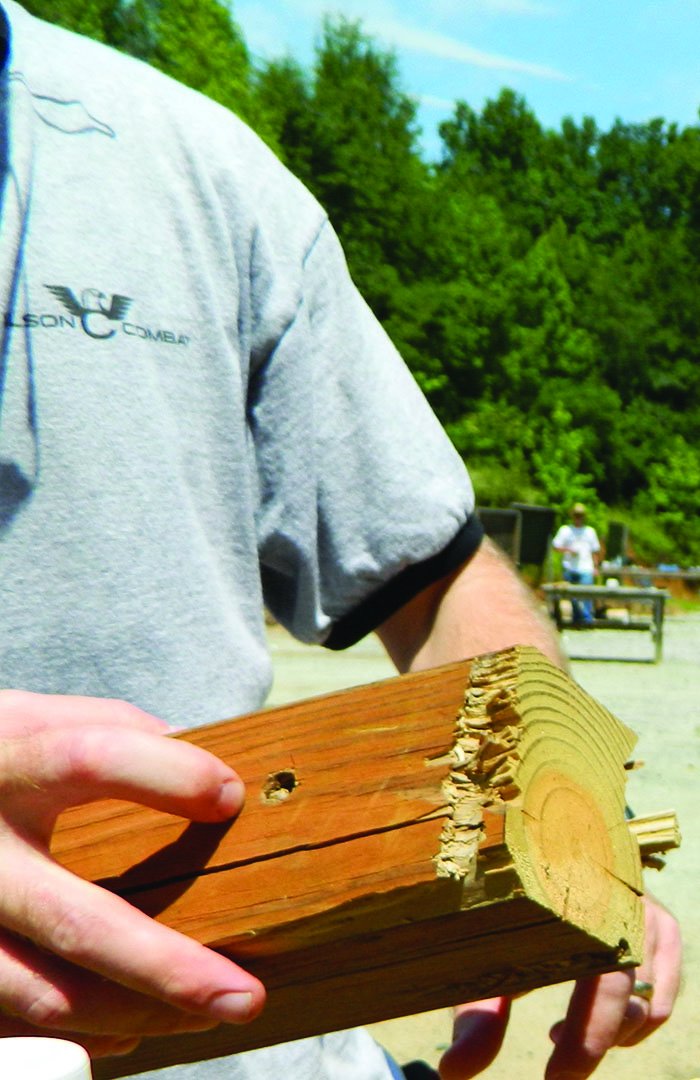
(363, 501)
(561, 538)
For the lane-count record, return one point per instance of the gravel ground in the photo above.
(661, 703)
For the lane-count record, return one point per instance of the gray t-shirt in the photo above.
(198, 413)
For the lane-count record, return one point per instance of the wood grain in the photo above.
(405, 845)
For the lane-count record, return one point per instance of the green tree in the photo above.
(196, 42)
(87, 17)
(572, 176)
(284, 96)
(594, 409)
(501, 151)
(683, 156)
(634, 176)
(673, 496)
(557, 461)
(505, 141)
(540, 335)
(365, 165)
(444, 321)
(643, 308)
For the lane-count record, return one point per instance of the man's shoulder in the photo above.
(73, 67)
(148, 111)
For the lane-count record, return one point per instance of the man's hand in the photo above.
(76, 960)
(603, 1012)
(481, 608)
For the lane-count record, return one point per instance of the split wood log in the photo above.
(434, 838)
(656, 834)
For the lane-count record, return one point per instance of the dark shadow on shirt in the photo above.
(15, 489)
(15, 486)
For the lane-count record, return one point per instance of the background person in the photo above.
(580, 549)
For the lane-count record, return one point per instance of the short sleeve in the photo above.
(362, 498)
(561, 537)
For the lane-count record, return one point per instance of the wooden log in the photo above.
(656, 835)
(407, 845)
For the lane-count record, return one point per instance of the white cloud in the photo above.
(268, 26)
(520, 7)
(430, 101)
(365, 8)
(448, 48)
(494, 7)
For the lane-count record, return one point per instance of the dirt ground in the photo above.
(661, 703)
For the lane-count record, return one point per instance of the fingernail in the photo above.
(234, 1007)
(231, 796)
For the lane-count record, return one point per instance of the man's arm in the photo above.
(482, 608)
(75, 960)
(597, 553)
(562, 540)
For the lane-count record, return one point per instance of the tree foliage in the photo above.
(541, 283)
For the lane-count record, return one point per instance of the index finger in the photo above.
(141, 766)
(594, 1017)
(44, 773)
(479, 1030)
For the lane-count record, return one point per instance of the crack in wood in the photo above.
(180, 879)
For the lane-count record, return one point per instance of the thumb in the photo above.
(478, 1033)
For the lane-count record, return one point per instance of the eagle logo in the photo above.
(93, 304)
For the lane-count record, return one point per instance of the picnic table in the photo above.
(604, 597)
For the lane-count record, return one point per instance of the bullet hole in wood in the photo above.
(279, 786)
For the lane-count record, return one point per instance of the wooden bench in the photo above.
(649, 573)
(677, 582)
(615, 596)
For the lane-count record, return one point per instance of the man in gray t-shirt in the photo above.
(199, 416)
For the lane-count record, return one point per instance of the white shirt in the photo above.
(583, 541)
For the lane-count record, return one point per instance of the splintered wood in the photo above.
(431, 839)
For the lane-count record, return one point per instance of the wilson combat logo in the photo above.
(93, 304)
(97, 315)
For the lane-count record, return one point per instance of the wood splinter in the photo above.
(656, 834)
(433, 838)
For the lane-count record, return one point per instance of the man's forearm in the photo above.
(482, 608)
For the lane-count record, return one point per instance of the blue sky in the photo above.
(633, 59)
